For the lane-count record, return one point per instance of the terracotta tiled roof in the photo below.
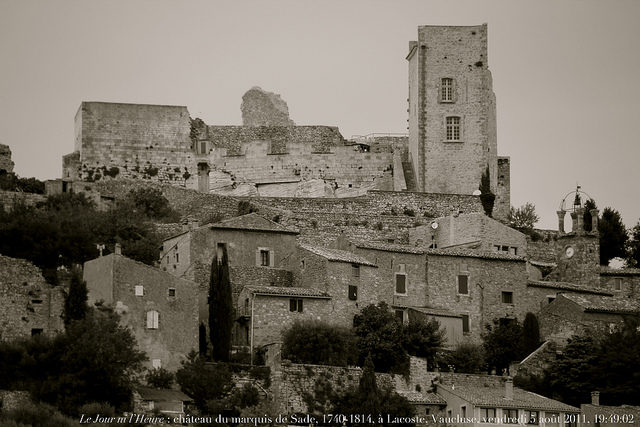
(435, 311)
(338, 255)
(491, 394)
(287, 291)
(606, 271)
(627, 410)
(162, 395)
(566, 286)
(252, 222)
(606, 304)
(390, 247)
(454, 251)
(425, 398)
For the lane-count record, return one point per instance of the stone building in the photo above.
(622, 283)
(28, 304)
(160, 309)
(452, 114)
(478, 400)
(595, 414)
(572, 314)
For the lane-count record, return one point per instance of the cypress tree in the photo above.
(75, 304)
(487, 198)
(220, 306)
(530, 333)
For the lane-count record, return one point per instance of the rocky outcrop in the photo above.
(262, 108)
(5, 158)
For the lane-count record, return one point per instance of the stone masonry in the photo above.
(262, 108)
(6, 164)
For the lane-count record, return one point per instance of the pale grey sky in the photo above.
(565, 75)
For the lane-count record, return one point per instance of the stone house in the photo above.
(260, 253)
(147, 400)
(28, 304)
(470, 230)
(160, 309)
(479, 400)
(263, 312)
(595, 414)
(570, 314)
(622, 283)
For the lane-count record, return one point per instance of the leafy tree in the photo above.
(245, 397)
(613, 236)
(380, 337)
(159, 378)
(465, 358)
(220, 307)
(487, 198)
(319, 343)
(530, 334)
(523, 218)
(570, 375)
(633, 255)
(502, 344)
(373, 403)
(151, 203)
(75, 304)
(203, 381)
(423, 338)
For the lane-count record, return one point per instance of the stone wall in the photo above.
(133, 141)
(13, 399)
(28, 305)
(9, 198)
(583, 266)
(262, 108)
(6, 164)
(621, 283)
(502, 204)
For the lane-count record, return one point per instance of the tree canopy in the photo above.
(502, 344)
(316, 342)
(633, 255)
(613, 236)
(523, 218)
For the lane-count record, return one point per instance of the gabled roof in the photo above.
(252, 222)
(490, 393)
(162, 395)
(432, 311)
(338, 255)
(287, 291)
(566, 286)
(606, 271)
(454, 251)
(604, 304)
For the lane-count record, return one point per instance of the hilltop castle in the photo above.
(451, 141)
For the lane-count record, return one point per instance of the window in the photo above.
(617, 284)
(203, 147)
(295, 305)
(177, 257)
(152, 319)
(156, 363)
(446, 90)
(507, 297)
(172, 292)
(36, 331)
(139, 290)
(401, 283)
(353, 293)
(463, 411)
(264, 258)
(355, 270)
(219, 252)
(36, 301)
(453, 128)
(531, 417)
(487, 415)
(400, 315)
(302, 264)
(465, 323)
(510, 416)
(463, 284)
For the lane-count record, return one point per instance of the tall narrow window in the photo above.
(463, 284)
(295, 305)
(355, 270)
(453, 128)
(401, 283)
(264, 258)
(446, 90)
(465, 323)
(353, 293)
(152, 319)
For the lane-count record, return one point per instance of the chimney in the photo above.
(595, 398)
(561, 215)
(594, 220)
(117, 249)
(508, 388)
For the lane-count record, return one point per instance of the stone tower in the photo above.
(452, 113)
(578, 251)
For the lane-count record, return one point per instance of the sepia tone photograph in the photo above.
(319, 213)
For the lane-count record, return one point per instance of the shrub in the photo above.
(465, 358)
(245, 397)
(319, 343)
(159, 378)
(36, 414)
